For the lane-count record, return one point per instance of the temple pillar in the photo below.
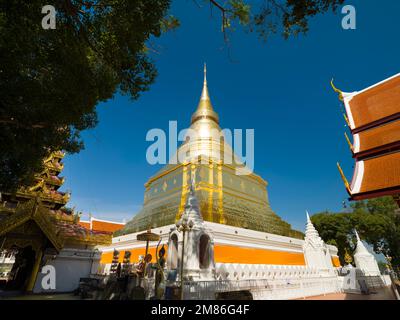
(35, 271)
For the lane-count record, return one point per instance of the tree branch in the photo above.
(12, 121)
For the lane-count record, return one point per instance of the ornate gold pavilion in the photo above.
(34, 217)
(224, 196)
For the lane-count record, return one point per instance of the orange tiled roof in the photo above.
(101, 225)
(78, 233)
(377, 175)
(378, 137)
(85, 224)
(375, 104)
(59, 227)
(109, 226)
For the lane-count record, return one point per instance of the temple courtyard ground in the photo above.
(381, 294)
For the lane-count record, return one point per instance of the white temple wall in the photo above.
(262, 280)
(70, 265)
(222, 234)
(236, 271)
(267, 282)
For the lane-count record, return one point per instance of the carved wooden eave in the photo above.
(60, 230)
(32, 210)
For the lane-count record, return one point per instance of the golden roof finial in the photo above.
(346, 183)
(349, 142)
(340, 92)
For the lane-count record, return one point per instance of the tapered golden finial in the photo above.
(349, 142)
(205, 73)
(340, 92)
(346, 183)
(204, 94)
(205, 109)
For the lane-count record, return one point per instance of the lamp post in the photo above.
(147, 236)
(183, 225)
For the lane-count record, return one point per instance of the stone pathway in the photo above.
(66, 296)
(381, 294)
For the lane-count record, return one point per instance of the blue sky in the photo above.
(279, 88)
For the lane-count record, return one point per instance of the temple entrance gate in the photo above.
(21, 270)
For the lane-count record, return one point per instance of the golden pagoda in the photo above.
(36, 226)
(224, 196)
(46, 186)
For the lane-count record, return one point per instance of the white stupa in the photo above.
(364, 260)
(316, 252)
(198, 262)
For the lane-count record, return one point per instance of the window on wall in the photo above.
(174, 252)
(204, 251)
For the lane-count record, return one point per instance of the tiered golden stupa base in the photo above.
(224, 197)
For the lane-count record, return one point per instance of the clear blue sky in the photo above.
(280, 88)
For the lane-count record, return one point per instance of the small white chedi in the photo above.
(316, 252)
(198, 260)
(364, 260)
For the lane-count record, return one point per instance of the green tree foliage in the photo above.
(335, 228)
(379, 224)
(52, 80)
(267, 17)
(376, 220)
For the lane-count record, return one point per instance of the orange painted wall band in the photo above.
(233, 254)
(227, 254)
(230, 254)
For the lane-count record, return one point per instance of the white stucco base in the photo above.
(70, 265)
(263, 281)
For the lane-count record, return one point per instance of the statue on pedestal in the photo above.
(160, 280)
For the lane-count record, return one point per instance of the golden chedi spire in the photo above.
(205, 138)
(223, 196)
(205, 109)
